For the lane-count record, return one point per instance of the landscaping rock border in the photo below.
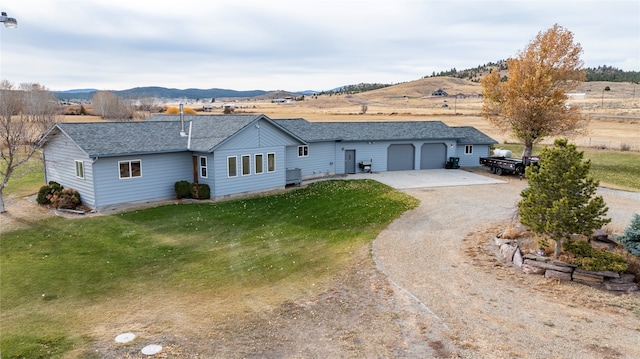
(551, 268)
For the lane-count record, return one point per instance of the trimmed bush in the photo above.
(69, 198)
(201, 191)
(631, 238)
(47, 192)
(183, 189)
(588, 258)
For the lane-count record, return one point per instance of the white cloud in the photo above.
(292, 45)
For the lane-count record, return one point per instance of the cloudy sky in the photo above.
(291, 45)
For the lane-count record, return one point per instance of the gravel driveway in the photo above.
(438, 254)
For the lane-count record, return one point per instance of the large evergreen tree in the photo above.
(560, 199)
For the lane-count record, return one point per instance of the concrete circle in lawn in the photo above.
(125, 337)
(151, 349)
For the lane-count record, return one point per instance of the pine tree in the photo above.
(631, 238)
(560, 199)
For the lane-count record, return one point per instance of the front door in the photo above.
(350, 161)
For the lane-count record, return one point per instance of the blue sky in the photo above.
(291, 45)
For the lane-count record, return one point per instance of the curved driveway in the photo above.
(472, 308)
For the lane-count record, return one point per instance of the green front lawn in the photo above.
(51, 273)
(615, 169)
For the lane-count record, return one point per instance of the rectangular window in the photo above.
(203, 166)
(468, 149)
(130, 169)
(79, 169)
(271, 162)
(246, 165)
(259, 166)
(232, 166)
(303, 151)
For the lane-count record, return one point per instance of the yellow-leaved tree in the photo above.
(175, 110)
(532, 102)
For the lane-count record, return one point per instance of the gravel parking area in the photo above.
(439, 254)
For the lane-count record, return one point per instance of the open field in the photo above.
(614, 115)
(612, 112)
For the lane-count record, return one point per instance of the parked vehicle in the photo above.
(507, 165)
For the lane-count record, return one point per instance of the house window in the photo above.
(203, 166)
(79, 169)
(246, 165)
(468, 149)
(130, 169)
(259, 166)
(271, 162)
(232, 166)
(303, 151)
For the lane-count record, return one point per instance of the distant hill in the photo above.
(161, 92)
(602, 73)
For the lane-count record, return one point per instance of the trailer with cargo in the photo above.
(502, 163)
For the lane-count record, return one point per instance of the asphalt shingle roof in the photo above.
(100, 139)
(369, 131)
(473, 136)
(161, 133)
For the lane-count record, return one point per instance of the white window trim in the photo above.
(304, 149)
(275, 167)
(468, 152)
(205, 167)
(242, 165)
(130, 171)
(81, 164)
(255, 163)
(236, 169)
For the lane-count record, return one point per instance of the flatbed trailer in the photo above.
(508, 165)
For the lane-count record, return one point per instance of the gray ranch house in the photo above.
(112, 163)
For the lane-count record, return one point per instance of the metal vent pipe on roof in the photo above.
(182, 133)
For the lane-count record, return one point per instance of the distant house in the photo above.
(439, 92)
(111, 163)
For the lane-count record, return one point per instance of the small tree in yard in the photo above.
(26, 113)
(560, 199)
(631, 238)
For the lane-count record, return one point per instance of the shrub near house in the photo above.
(59, 197)
(185, 189)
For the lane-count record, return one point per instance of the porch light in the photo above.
(8, 21)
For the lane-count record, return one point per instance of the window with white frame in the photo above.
(246, 165)
(258, 163)
(203, 166)
(130, 169)
(80, 169)
(303, 151)
(232, 166)
(468, 149)
(271, 162)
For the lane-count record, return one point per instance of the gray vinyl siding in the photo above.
(320, 162)
(365, 151)
(253, 182)
(60, 154)
(473, 159)
(159, 174)
(259, 135)
(259, 138)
